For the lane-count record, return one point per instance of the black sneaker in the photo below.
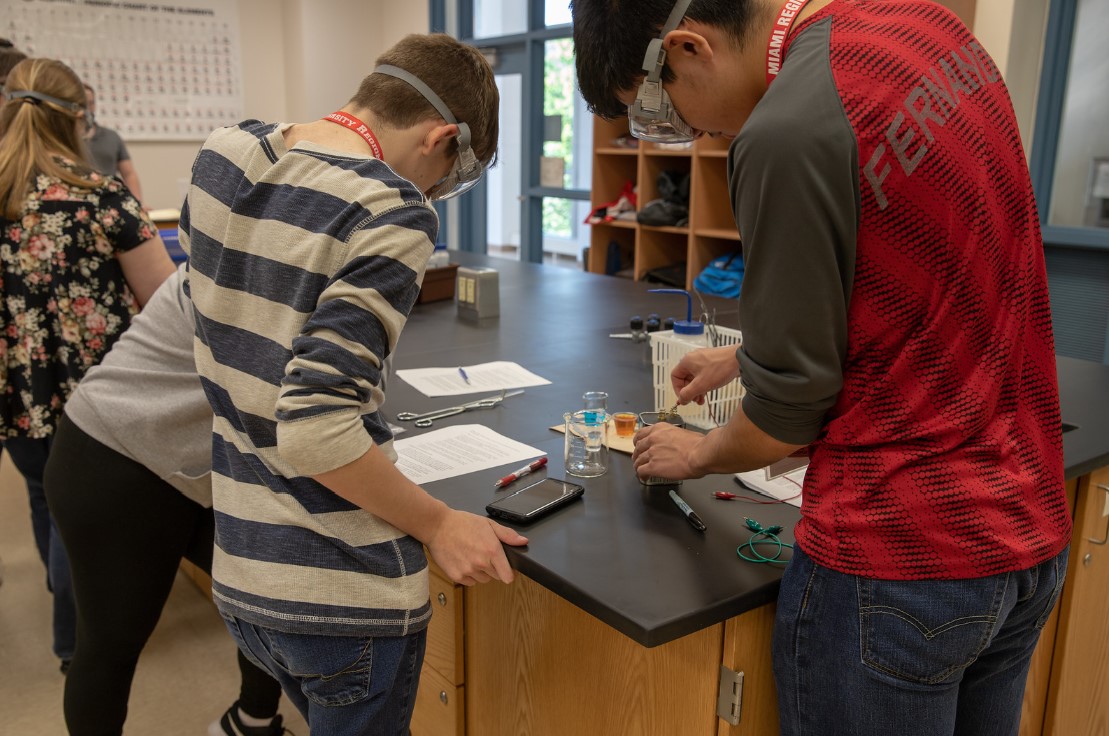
(231, 725)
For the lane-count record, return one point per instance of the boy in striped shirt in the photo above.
(308, 244)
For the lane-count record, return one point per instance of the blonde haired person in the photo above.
(78, 258)
(308, 243)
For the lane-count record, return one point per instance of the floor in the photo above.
(187, 675)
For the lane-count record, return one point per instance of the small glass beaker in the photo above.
(647, 418)
(624, 421)
(586, 454)
(595, 401)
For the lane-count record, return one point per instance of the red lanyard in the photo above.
(778, 33)
(349, 121)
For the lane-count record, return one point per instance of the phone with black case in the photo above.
(535, 501)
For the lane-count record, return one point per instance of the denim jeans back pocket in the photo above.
(1056, 569)
(333, 670)
(926, 631)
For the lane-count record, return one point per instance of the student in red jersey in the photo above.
(895, 321)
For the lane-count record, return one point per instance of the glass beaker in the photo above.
(586, 454)
(624, 422)
(595, 401)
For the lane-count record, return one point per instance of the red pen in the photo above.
(518, 474)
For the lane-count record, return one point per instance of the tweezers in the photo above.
(426, 419)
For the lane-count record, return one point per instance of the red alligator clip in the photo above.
(724, 495)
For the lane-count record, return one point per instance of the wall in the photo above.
(301, 59)
(1012, 31)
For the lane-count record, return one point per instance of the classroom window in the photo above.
(1080, 189)
(1070, 148)
(533, 203)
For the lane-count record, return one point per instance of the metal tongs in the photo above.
(426, 419)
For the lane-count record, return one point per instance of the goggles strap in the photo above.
(776, 46)
(655, 58)
(349, 121)
(37, 97)
(423, 89)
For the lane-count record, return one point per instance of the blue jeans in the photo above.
(861, 657)
(342, 685)
(29, 457)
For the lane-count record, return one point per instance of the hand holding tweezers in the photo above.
(426, 419)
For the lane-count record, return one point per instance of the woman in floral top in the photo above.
(78, 257)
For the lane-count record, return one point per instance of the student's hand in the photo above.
(468, 548)
(665, 451)
(701, 371)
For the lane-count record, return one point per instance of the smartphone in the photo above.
(535, 501)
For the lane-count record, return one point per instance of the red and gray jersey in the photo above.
(895, 308)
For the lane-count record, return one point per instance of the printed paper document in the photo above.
(784, 488)
(457, 450)
(483, 377)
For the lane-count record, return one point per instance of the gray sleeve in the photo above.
(122, 154)
(793, 175)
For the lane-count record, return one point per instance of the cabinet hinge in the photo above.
(730, 695)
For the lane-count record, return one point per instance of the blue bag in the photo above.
(722, 277)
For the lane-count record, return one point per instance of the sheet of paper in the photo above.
(457, 450)
(484, 377)
(785, 488)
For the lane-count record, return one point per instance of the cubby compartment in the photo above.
(704, 250)
(651, 169)
(713, 212)
(601, 241)
(659, 248)
(708, 231)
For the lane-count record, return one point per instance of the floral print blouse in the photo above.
(64, 298)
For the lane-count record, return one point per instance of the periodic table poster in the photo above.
(161, 70)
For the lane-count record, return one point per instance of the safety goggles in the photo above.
(467, 170)
(652, 117)
(37, 97)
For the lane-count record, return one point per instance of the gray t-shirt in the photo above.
(145, 401)
(106, 150)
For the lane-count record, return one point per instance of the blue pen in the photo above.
(690, 514)
(464, 376)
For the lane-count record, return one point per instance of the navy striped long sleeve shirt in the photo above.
(304, 265)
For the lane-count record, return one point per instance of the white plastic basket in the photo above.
(666, 352)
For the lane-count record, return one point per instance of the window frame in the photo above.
(471, 209)
(1058, 46)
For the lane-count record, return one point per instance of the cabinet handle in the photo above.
(1105, 538)
(442, 599)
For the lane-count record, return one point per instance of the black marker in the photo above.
(690, 514)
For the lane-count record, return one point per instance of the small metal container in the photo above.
(647, 418)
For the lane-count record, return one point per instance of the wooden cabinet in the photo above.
(1078, 695)
(441, 701)
(534, 663)
(711, 231)
(538, 665)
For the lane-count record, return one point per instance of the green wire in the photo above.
(763, 536)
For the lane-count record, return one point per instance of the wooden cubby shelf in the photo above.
(711, 232)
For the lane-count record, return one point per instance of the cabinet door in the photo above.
(1039, 673)
(747, 650)
(1077, 701)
